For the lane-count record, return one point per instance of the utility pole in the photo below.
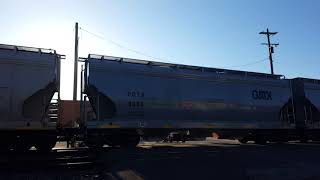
(270, 46)
(75, 76)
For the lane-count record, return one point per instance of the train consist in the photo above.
(123, 99)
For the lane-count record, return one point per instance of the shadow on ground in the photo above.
(192, 160)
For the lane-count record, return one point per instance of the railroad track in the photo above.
(58, 158)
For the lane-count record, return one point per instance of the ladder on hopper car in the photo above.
(53, 110)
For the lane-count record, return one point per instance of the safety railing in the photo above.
(183, 67)
(25, 48)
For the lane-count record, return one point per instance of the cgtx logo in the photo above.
(261, 95)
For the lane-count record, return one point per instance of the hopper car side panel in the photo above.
(23, 74)
(4, 102)
(160, 97)
(29, 79)
(311, 109)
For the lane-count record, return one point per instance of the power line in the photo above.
(247, 64)
(93, 34)
(153, 57)
(122, 46)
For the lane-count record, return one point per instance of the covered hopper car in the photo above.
(135, 97)
(29, 78)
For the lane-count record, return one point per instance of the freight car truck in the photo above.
(30, 77)
(135, 97)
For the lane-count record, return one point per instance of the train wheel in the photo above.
(22, 144)
(46, 145)
(94, 142)
(304, 139)
(281, 140)
(260, 140)
(130, 141)
(5, 146)
(95, 146)
(183, 139)
(243, 140)
(22, 147)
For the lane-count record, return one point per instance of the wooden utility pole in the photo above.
(270, 46)
(75, 76)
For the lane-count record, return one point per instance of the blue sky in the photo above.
(216, 33)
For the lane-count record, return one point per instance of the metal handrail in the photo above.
(30, 49)
(26, 48)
